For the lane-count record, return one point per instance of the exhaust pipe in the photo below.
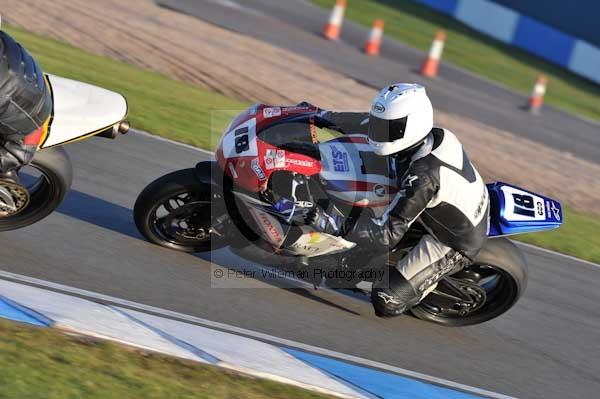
(112, 132)
(122, 127)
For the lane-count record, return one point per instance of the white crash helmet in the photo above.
(401, 117)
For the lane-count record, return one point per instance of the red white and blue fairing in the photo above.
(250, 159)
(257, 144)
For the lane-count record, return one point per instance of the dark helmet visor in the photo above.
(385, 131)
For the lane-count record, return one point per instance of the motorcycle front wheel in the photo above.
(47, 178)
(481, 292)
(177, 211)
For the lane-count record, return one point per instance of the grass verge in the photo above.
(157, 104)
(578, 236)
(181, 112)
(415, 25)
(46, 363)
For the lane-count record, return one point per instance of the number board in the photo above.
(241, 140)
(522, 205)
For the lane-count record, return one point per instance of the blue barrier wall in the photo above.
(530, 34)
(577, 18)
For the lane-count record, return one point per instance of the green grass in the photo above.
(578, 236)
(186, 113)
(45, 363)
(157, 103)
(415, 25)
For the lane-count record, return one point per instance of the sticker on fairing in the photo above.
(241, 141)
(522, 205)
(258, 170)
(379, 190)
(232, 170)
(300, 162)
(270, 159)
(280, 159)
(314, 243)
(269, 163)
(271, 112)
(340, 160)
(268, 225)
(555, 210)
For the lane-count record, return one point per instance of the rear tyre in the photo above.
(498, 278)
(177, 212)
(48, 179)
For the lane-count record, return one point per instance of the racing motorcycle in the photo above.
(80, 110)
(275, 163)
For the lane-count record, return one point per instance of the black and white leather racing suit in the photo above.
(441, 190)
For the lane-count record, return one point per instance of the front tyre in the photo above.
(480, 292)
(47, 178)
(176, 211)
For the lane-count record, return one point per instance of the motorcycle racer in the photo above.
(440, 188)
(437, 186)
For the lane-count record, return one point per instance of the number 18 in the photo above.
(524, 205)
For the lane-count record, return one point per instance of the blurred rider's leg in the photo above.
(25, 106)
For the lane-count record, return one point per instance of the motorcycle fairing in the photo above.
(515, 210)
(350, 178)
(313, 243)
(273, 224)
(271, 229)
(81, 110)
(257, 143)
(250, 159)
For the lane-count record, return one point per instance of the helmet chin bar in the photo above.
(410, 151)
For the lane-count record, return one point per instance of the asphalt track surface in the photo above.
(547, 346)
(297, 24)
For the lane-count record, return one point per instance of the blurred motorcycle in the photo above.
(80, 111)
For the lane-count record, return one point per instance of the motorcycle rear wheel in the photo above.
(497, 278)
(187, 225)
(48, 178)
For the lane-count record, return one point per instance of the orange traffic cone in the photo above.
(375, 37)
(334, 27)
(537, 95)
(432, 62)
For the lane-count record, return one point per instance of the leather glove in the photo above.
(367, 233)
(318, 219)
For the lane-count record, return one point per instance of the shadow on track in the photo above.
(227, 259)
(119, 219)
(100, 212)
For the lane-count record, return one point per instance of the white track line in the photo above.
(101, 298)
(207, 152)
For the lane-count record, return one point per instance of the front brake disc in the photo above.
(13, 198)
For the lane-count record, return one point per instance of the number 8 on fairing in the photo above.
(524, 205)
(241, 142)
